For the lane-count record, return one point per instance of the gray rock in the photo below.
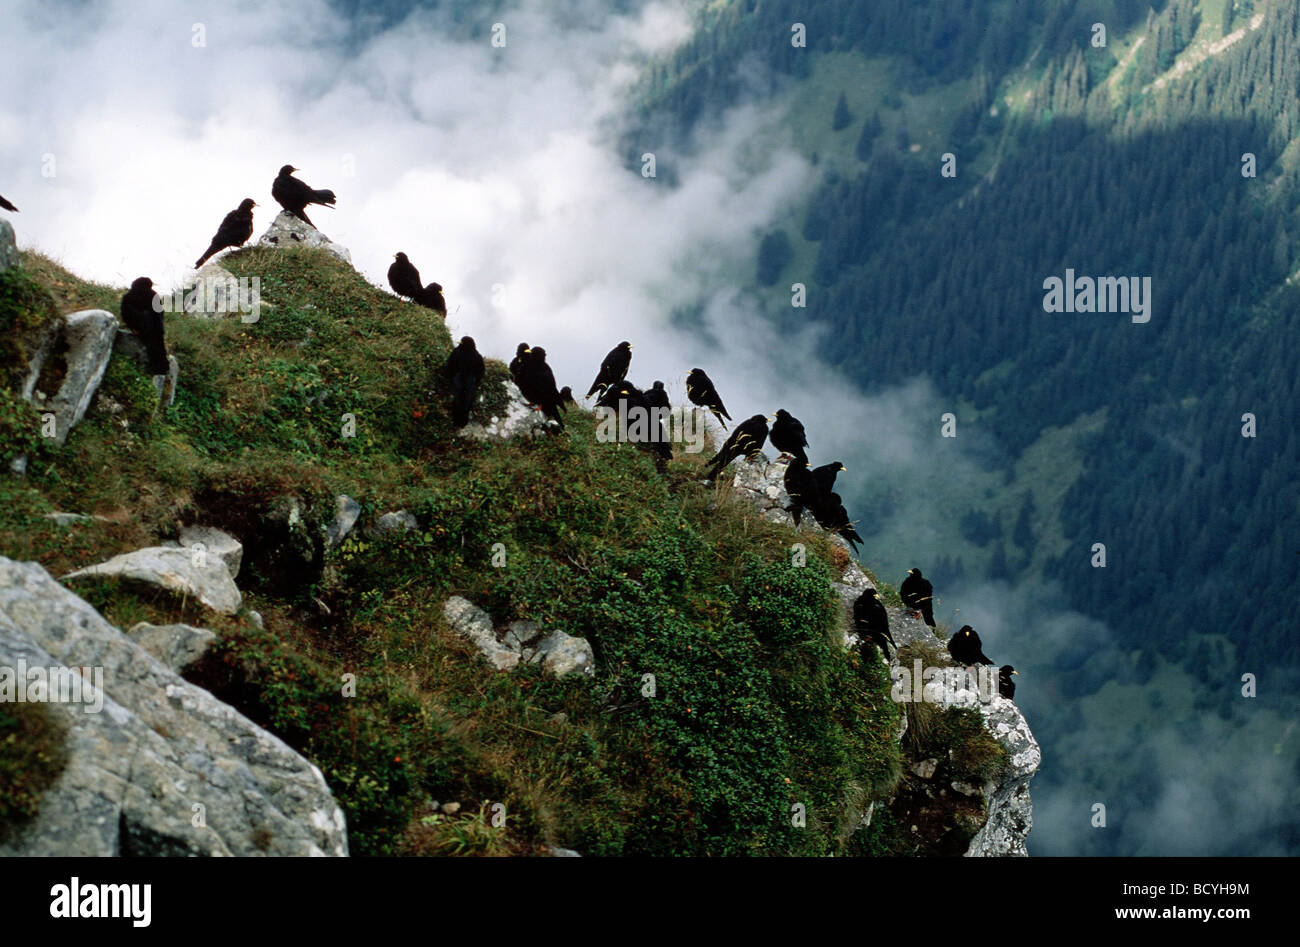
(160, 753)
(8, 247)
(392, 524)
(471, 622)
(557, 852)
(288, 231)
(256, 619)
(521, 635)
(561, 654)
(214, 294)
(518, 420)
(346, 514)
(175, 570)
(1010, 810)
(177, 646)
(925, 769)
(89, 335)
(215, 542)
(68, 519)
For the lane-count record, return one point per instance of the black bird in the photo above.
(566, 397)
(404, 277)
(871, 622)
(1006, 686)
(517, 367)
(745, 441)
(918, 595)
(700, 391)
(788, 435)
(966, 648)
(613, 369)
(236, 227)
(294, 195)
(7, 206)
(824, 476)
(464, 369)
(635, 400)
(830, 513)
(801, 487)
(656, 396)
(539, 385)
(142, 314)
(431, 298)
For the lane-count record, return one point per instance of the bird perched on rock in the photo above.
(294, 195)
(966, 648)
(7, 206)
(801, 487)
(142, 313)
(788, 435)
(613, 369)
(745, 441)
(1006, 686)
(871, 622)
(517, 366)
(918, 595)
(236, 227)
(539, 385)
(634, 404)
(404, 277)
(566, 397)
(656, 396)
(830, 513)
(700, 391)
(431, 298)
(824, 476)
(464, 370)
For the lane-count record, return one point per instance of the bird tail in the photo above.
(719, 415)
(323, 197)
(595, 387)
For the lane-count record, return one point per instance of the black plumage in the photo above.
(918, 595)
(7, 206)
(966, 648)
(404, 277)
(1006, 686)
(566, 397)
(517, 368)
(830, 513)
(464, 370)
(871, 622)
(801, 488)
(700, 391)
(294, 195)
(746, 440)
(656, 396)
(236, 227)
(788, 435)
(613, 368)
(824, 476)
(430, 297)
(539, 384)
(142, 313)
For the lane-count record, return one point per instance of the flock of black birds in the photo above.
(810, 488)
(871, 622)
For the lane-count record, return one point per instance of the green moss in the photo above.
(31, 759)
(26, 312)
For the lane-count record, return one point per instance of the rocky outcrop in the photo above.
(214, 542)
(524, 642)
(177, 646)
(8, 247)
(163, 768)
(1010, 810)
(89, 336)
(347, 512)
(289, 231)
(518, 420)
(201, 577)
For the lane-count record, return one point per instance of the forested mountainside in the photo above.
(1169, 152)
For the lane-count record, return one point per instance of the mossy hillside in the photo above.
(755, 707)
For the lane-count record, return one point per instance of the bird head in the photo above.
(399, 256)
(522, 350)
(436, 287)
(539, 352)
(467, 341)
(247, 204)
(625, 345)
(966, 630)
(658, 384)
(142, 283)
(287, 169)
(915, 572)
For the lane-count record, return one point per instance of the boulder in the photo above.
(89, 335)
(561, 654)
(346, 514)
(163, 767)
(393, 524)
(177, 646)
(173, 569)
(289, 231)
(518, 420)
(1010, 810)
(215, 542)
(471, 622)
(8, 247)
(521, 636)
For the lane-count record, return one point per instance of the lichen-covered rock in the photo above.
(176, 570)
(394, 524)
(163, 768)
(562, 654)
(518, 420)
(8, 247)
(1010, 810)
(177, 646)
(89, 336)
(347, 512)
(289, 231)
(474, 624)
(214, 542)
